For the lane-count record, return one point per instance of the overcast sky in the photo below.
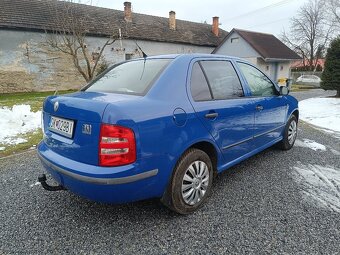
(269, 16)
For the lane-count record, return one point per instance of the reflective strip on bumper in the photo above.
(102, 181)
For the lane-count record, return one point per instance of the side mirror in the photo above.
(284, 91)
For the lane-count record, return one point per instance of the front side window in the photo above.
(223, 80)
(135, 77)
(259, 84)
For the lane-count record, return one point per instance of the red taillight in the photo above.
(117, 146)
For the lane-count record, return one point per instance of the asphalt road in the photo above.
(256, 207)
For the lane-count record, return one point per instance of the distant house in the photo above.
(26, 63)
(265, 51)
(302, 65)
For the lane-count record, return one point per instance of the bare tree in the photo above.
(333, 7)
(310, 32)
(67, 32)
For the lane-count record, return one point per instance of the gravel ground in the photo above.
(256, 207)
(313, 93)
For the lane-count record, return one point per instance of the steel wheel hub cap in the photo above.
(195, 182)
(292, 132)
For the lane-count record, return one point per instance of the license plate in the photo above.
(61, 126)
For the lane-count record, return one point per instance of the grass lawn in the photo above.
(297, 88)
(35, 100)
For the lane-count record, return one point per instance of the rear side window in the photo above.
(135, 77)
(223, 80)
(199, 86)
(259, 84)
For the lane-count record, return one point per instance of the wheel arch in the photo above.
(294, 112)
(209, 149)
(206, 146)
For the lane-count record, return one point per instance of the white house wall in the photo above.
(244, 50)
(240, 49)
(269, 69)
(27, 63)
(285, 72)
(275, 70)
(116, 52)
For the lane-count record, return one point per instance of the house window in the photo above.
(128, 56)
(95, 56)
(234, 40)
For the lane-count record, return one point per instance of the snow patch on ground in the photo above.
(321, 112)
(306, 143)
(35, 184)
(320, 185)
(16, 121)
(335, 152)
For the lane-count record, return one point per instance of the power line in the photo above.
(271, 22)
(261, 9)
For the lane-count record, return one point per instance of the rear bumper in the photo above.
(98, 180)
(103, 184)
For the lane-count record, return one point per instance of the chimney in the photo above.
(172, 20)
(215, 29)
(127, 12)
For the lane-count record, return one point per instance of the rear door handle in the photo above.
(259, 107)
(212, 115)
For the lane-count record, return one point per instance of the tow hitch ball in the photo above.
(42, 180)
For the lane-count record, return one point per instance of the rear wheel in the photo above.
(191, 182)
(290, 134)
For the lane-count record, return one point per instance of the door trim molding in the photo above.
(253, 137)
(237, 143)
(269, 131)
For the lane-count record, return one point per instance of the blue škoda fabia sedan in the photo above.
(163, 127)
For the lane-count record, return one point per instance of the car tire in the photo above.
(192, 174)
(290, 134)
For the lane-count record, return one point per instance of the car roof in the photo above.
(192, 56)
(309, 75)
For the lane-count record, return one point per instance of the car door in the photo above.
(219, 102)
(271, 107)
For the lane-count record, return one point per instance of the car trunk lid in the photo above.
(72, 123)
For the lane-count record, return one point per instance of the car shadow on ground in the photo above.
(153, 207)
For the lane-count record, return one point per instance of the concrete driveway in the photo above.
(267, 204)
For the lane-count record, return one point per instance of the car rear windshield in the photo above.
(133, 77)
